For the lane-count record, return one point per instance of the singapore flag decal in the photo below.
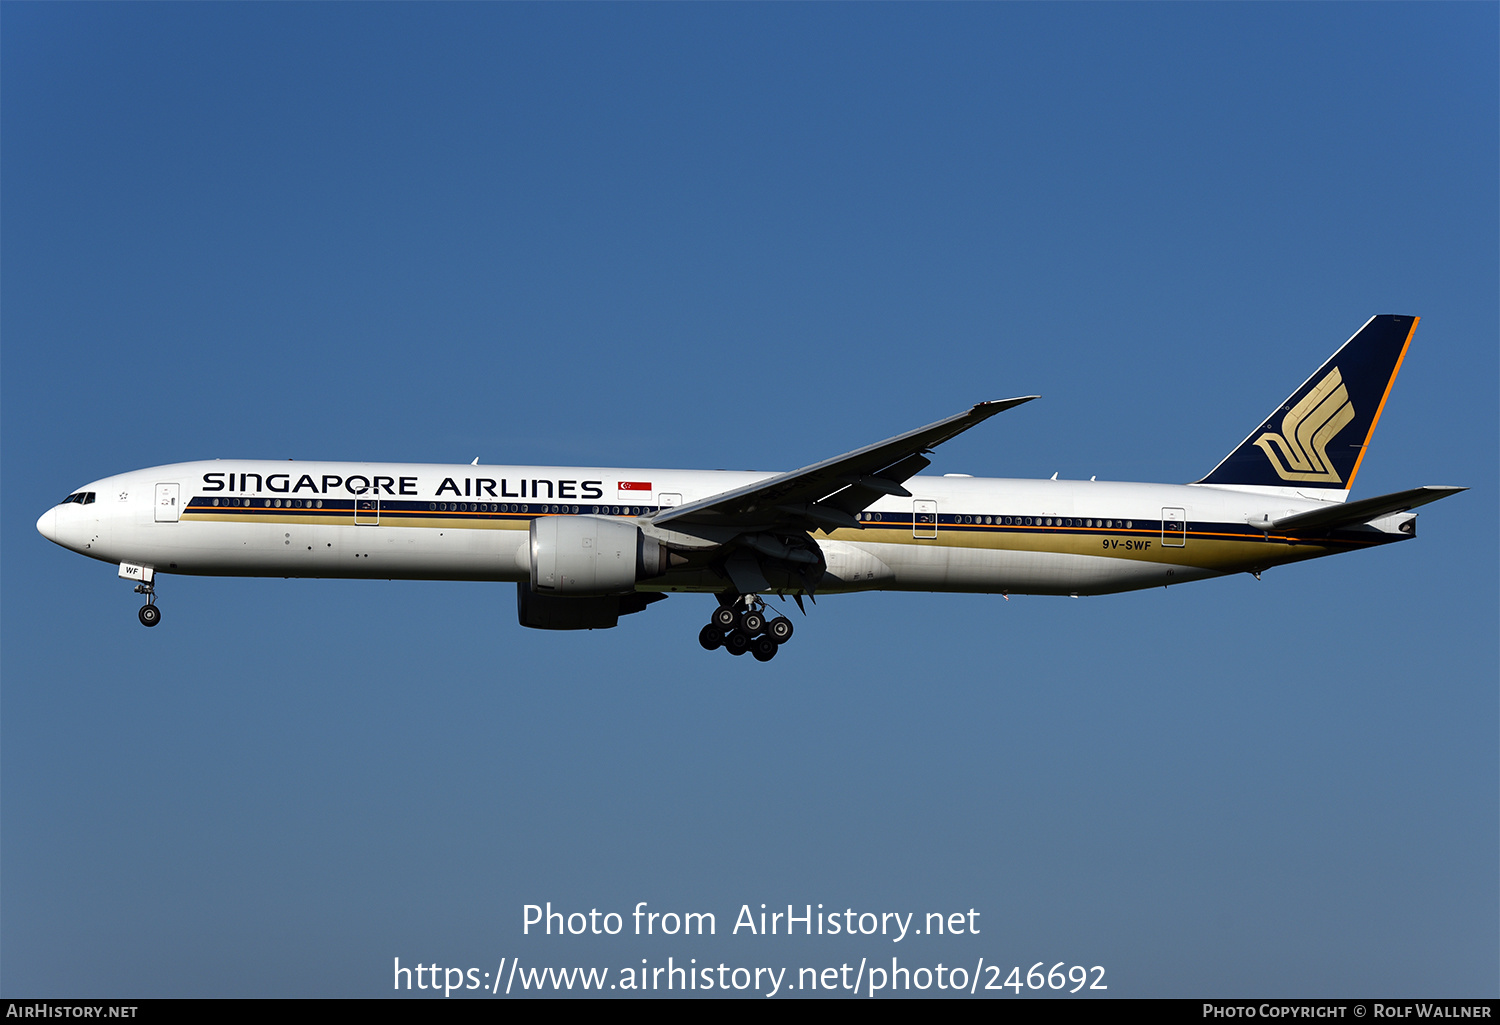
(635, 485)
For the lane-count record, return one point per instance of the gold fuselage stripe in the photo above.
(1231, 548)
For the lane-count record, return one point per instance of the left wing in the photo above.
(826, 495)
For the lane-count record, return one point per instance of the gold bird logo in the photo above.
(1307, 429)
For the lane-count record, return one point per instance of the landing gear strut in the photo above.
(740, 624)
(149, 615)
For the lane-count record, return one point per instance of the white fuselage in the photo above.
(429, 521)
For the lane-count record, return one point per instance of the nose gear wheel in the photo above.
(149, 615)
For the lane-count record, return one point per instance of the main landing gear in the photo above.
(149, 615)
(742, 626)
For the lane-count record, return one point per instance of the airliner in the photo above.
(587, 545)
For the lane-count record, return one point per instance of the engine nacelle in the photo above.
(600, 612)
(591, 555)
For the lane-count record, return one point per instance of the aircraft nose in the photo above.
(47, 525)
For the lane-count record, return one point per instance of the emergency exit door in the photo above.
(1174, 528)
(923, 519)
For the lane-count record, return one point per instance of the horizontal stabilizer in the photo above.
(1346, 514)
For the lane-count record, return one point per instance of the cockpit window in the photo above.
(80, 497)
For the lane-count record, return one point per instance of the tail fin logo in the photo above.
(1307, 429)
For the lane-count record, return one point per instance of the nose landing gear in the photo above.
(145, 578)
(739, 625)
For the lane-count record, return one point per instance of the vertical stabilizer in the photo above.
(1316, 439)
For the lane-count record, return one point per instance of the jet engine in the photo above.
(592, 555)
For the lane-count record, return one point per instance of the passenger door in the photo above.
(168, 503)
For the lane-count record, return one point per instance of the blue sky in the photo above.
(751, 237)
